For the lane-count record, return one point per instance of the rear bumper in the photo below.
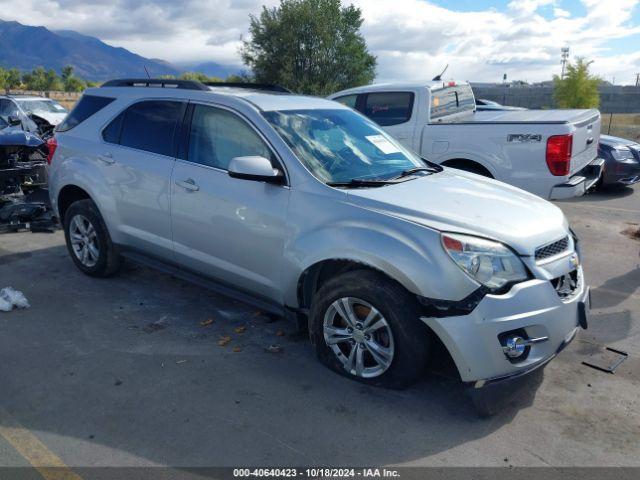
(533, 307)
(580, 182)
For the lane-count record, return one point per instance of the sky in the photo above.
(412, 39)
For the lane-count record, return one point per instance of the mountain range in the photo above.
(26, 47)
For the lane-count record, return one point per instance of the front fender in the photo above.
(414, 257)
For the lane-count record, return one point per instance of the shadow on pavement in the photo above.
(81, 365)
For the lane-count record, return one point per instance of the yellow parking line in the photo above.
(47, 463)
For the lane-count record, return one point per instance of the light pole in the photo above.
(564, 54)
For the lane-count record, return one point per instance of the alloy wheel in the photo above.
(84, 240)
(359, 336)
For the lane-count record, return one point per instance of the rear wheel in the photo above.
(88, 240)
(367, 327)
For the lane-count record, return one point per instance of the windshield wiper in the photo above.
(411, 171)
(361, 182)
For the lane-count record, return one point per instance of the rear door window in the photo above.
(86, 106)
(348, 100)
(389, 108)
(151, 126)
(111, 133)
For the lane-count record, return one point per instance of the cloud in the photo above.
(559, 12)
(412, 39)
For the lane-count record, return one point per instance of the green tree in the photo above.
(13, 79)
(199, 77)
(309, 46)
(578, 88)
(36, 79)
(52, 81)
(70, 82)
(3, 78)
(74, 84)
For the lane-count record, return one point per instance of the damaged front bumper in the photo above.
(533, 309)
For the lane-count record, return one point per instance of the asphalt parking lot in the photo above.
(122, 372)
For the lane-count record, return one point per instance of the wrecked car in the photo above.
(23, 178)
(36, 114)
(306, 208)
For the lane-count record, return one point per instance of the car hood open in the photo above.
(458, 201)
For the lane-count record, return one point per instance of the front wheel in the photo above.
(367, 327)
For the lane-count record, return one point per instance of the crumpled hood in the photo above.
(51, 117)
(463, 202)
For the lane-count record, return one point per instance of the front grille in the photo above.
(552, 249)
(567, 285)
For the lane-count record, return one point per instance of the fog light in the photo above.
(515, 347)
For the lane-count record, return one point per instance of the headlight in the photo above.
(622, 154)
(491, 264)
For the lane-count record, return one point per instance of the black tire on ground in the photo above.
(109, 260)
(400, 308)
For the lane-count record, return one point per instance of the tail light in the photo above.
(559, 154)
(52, 144)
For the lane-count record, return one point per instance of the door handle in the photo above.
(590, 140)
(188, 184)
(107, 158)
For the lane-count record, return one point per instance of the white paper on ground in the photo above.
(10, 298)
(384, 145)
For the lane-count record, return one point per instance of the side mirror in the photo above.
(255, 168)
(14, 121)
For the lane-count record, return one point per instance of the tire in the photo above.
(470, 167)
(407, 344)
(103, 260)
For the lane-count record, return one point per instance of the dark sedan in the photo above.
(622, 160)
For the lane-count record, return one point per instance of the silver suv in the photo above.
(306, 208)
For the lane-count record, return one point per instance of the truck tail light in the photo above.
(52, 144)
(559, 154)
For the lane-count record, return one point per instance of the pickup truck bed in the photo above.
(439, 121)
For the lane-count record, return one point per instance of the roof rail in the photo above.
(251, 86)
(156, 83)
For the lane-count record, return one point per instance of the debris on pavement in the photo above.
(237, 349)
(608, 362)
(207, 322)
(274, 349)
(239, 329)
(10, 298)
(224, 341)
(179, 362)
(633, 232)
(155, 326)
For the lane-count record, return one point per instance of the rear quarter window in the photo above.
(88, 105)
(451, 100)
(389, 108)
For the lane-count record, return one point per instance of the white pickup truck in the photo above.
(551, 153)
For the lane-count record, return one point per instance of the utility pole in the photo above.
(564, 55)
(637, 79)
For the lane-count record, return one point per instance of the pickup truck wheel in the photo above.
(366, 327)
(88, 240)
